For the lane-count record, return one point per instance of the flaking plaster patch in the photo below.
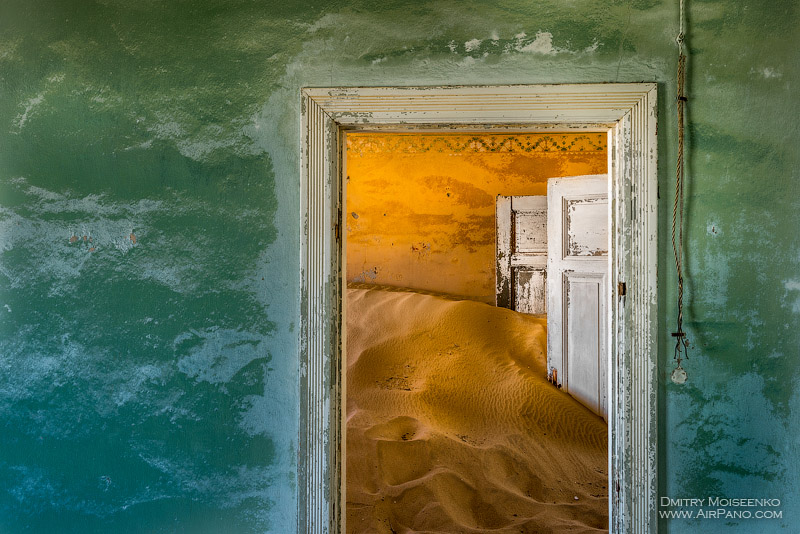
(197, 143)
(593, 47)
(33, 104)
(472, 45)
(541, 44)
(218, 353)
(8, 49)
(790, 286)
(768, 73)
(99, 229)
(367, 274)
(30, 106)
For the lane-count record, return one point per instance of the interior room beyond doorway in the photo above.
(451, 424)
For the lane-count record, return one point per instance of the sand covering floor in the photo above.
(453, 428)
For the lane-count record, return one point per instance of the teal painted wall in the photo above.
(148, 371)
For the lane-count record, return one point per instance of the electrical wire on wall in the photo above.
(681, 342)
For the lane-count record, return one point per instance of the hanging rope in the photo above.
(682, 343)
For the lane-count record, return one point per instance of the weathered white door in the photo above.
(521, 271)
(578, 265)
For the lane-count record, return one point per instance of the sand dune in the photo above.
(453, 428)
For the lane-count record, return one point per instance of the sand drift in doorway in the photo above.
(452, 427)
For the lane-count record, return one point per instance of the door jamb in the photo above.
(628, 113)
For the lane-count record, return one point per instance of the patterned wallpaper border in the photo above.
(368, 144)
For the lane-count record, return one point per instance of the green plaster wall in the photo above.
(149, 372)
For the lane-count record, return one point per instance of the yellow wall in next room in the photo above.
(420, 208)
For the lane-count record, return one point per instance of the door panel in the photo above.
(530, 231)
(578, 321)
(521, 273)
(529, 289)
(584, 354)
(587, 226)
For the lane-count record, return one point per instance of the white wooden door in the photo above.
(521, 271)
(578, 265)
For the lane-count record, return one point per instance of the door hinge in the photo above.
(622, 289)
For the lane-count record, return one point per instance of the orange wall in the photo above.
(420, 208)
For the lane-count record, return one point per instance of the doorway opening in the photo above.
(626, 113)
(451, 422)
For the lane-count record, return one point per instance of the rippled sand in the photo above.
(452, 426)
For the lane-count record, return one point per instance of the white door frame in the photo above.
(628, 113)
